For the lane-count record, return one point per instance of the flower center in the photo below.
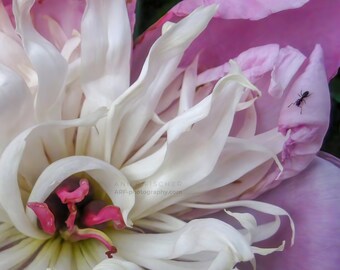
(72, 211)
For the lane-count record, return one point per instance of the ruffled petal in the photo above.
(312, 199)
(233, 9)
(300, 25)
(67, 14)
(105, 62)
(16, 106)
(306, 126)
(50, 66)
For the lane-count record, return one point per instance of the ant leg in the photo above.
(301, 110)
(291, 104)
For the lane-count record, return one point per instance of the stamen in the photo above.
(44, 215)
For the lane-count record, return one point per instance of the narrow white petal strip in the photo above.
(12, 257)
(189, 87)
(144, 168)
(105, 51)
(57, 33)
(116, 264)
(50, 66)
(112, 181)
(9, 236)
(65, 258)
(139, 102)
(10, 198)
(160, 222)
(43, 258)
(78, 259)
(258, 206)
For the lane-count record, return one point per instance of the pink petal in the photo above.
(67, 13)
(306, 130)
(302, 28)
(236, 9)
(312, 199)
(62, 17)
(131, 6)
(308, 127)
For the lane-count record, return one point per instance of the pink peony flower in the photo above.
(129, 154)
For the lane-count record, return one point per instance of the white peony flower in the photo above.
(99, 172)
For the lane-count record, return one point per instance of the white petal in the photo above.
(5, 23)
(50, 66)
(105, 51)
(46, 253)
(116, 264)
(19, 253)
(65, 259)
(258, 206)
(16, 106)
(189, 87)
(160, 222)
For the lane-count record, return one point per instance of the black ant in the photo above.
(300, 100)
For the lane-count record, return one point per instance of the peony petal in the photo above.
(13, 56)
(131, 7)
(50, 66)
(66, 13)
(312, 199)
(307, 129)
(45, 255)
(5, 23)
(304, 27)
(234, 9)
(16, 106)
(14, 256)
(105, 62)
(116, 264)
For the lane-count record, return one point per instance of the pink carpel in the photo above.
(94, 216)
(74, 196)
(44, 215)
